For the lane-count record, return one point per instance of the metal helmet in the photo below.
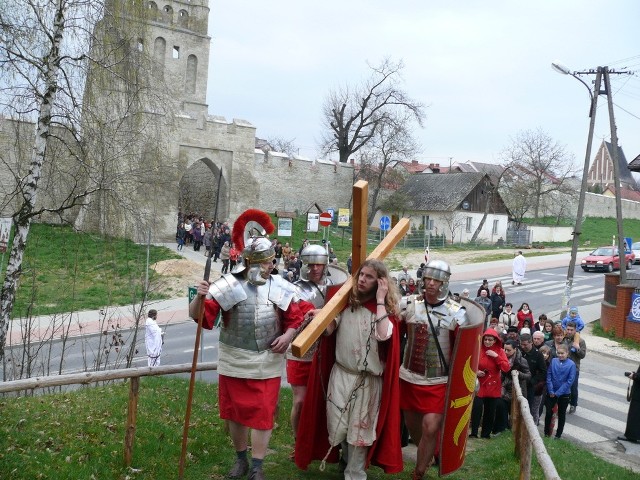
(256, 253)
(258, 250)
(313, 255)
(439, 270)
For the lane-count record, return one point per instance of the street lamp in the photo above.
(577, 230)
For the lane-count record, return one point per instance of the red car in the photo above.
(606, 259)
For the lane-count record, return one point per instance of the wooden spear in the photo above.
(196, 347)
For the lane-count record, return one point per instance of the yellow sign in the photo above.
(343, 217)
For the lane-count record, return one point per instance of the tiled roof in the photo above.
(438, 191)
(634, 166)
(625, 193)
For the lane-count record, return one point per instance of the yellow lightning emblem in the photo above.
(469, 378)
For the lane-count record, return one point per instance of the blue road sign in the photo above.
(385, 223)
(332, 212)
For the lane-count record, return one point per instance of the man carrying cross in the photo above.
(362, 403)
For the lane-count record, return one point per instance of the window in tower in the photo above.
(192, 72)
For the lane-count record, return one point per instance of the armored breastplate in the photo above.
(421, 353)
(311, 292)
(252, 324)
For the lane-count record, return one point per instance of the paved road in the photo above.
(542, 289)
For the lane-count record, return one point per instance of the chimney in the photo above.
(414, 162)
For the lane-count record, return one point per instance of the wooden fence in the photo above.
(85, 378)
(527, 437)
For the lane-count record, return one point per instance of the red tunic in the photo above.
(312, 440)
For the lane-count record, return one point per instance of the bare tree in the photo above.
(454, 220)
(396, 203)
(518, 196)
(540, 163)
(284, 145)
(392, 142)
(352, 115)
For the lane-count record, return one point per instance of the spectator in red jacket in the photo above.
(492, 361)
(524, 313)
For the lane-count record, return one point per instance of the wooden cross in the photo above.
(333, 307)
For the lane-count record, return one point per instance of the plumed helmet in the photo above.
(438, 270)
(248, 235)
(314, 254)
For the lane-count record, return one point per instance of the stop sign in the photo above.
(325, 219)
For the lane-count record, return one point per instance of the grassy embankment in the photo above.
(79, 435)
(67, 271)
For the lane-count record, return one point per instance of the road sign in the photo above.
(385, 223)
(331, 212)
(325, 219)
(193, 291)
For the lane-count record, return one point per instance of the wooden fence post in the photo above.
(130, 429)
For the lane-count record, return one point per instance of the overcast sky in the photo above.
(482, 68)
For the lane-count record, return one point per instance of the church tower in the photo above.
(600, 176)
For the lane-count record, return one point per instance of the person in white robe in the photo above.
(519, 268)
(153, 339)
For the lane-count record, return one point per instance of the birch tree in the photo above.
(47, 50)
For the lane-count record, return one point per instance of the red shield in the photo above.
(460, 389)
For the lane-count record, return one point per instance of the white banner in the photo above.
(313, 220)
(285, 227)
(5, 232)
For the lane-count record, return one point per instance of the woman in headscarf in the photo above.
(492, 361)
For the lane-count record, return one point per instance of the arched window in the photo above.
(167, 14)
(159, 51)
(192, 73)
(183, 18)
(153, 10)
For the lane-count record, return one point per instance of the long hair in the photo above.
(393, 295)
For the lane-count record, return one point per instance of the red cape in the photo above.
(312, 439)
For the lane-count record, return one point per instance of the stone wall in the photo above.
(544, 233)
(596, 205)
(294, 184)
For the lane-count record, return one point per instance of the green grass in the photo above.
(599, 231)
(79, 435)
(597, 329)
(64, 271)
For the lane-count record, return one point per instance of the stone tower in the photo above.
(177, 40)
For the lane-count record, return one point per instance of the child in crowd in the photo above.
(560, 377)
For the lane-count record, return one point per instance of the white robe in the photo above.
(153, 342)
(519, 268)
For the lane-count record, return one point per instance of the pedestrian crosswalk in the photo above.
(602, 410)
(549, 284)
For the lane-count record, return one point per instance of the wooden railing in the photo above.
(86, 378)
(527, 437)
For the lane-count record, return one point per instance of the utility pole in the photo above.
(616, 178)
(600, 72)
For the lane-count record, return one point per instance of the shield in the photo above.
(460, 389)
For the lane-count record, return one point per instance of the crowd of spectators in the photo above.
(545, 354)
